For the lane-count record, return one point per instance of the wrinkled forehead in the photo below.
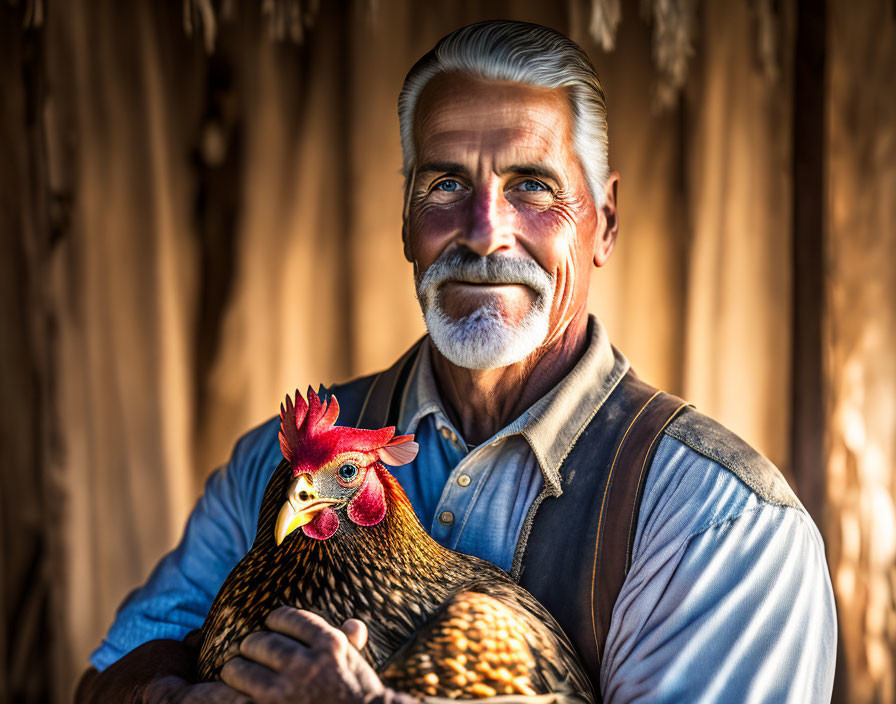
(458, 113)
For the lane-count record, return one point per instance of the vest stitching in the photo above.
(516, 569)
(600, 519)
(628, 546)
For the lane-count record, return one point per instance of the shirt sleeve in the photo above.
(177, 595)
(740, 611)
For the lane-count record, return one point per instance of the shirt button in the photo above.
(464, 480)
(445, 432)
(446, 518)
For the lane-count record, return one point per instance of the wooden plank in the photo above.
(807, 424)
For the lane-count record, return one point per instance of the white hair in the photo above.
(504, 50)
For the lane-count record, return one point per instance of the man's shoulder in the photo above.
(703, 478)
(705, 485)
(732, 455)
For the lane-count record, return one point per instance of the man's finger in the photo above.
(248, 676)
(356, 632)
(307, 628)
(274, 650)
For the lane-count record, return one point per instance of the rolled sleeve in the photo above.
(742, 611)
(177, 595)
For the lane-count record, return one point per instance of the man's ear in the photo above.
(406, 213)
(405, 242)
(607, 222)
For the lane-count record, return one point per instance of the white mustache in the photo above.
(491, 269)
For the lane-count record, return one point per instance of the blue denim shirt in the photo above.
(728, 597)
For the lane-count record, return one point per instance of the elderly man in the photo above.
(676, 557)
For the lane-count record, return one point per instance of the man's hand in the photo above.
(301, 658)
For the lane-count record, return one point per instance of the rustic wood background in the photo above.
(200, 208)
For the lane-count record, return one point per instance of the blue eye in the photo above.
(347, 472)
(533, 185)
(449, 185)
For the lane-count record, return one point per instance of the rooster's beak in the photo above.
(301, 506)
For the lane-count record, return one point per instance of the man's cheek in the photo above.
(559, 216)
(432, 231)
(434, 220)
(550, 234)
(566, 279)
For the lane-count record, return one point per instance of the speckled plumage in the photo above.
(426, 608)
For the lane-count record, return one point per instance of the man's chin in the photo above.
(484, 339)
(485, 320)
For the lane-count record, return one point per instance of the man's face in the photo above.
(497, 178)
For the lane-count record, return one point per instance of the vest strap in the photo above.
(618, 517)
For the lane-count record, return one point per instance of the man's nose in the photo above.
(491, 222)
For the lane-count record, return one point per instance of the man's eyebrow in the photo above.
(452, 167)
(534, 171)
(442, 167)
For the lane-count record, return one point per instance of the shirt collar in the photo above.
(552, 424)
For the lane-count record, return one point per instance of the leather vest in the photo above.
(575, 546)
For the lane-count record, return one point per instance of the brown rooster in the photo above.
(337, 536)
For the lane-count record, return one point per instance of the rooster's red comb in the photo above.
(309, 438)
(300, 421)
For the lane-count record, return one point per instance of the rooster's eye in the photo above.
(347, 472)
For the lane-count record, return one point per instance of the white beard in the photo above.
(484, 339)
